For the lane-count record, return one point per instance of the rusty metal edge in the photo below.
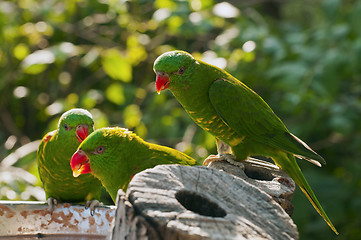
(30, 218)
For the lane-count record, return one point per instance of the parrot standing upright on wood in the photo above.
(115, 155)
(53, 158)
(235, 115)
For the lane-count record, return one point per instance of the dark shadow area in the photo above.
(199, 204)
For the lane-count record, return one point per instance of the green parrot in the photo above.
(53, 158)
(236, 115)
(115, 155)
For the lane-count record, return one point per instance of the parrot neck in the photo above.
(192, 91)
(120, 166)
(64, 148)
(196, 101)
(140, 155)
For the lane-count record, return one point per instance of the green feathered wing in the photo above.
(247, 114)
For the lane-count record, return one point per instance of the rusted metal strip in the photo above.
(33, 219)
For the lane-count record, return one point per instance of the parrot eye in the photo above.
(66, 127)
(100, 150)
(181, 70)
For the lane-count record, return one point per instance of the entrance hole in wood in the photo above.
(199, 204)
(254, 173)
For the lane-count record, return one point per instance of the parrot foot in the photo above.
(92, 204)
(52, 202)
(222, 157)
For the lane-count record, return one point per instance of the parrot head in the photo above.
(96, 153)
(76, 122)
(173, 68)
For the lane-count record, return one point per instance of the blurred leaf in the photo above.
(132, 116)
(136, 54)
(115, 93)
(289, 74)
(36, 62)
(21, 51)
(116, 66)
(141, 130)
(164, 4)
(174, 23)
(100, 119)
(90, 57)
(34, 68)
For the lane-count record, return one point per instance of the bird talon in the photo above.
(210, 159)
(91, 205)
(51, 203)
(222, 157)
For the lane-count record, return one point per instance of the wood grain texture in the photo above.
(266, 177)
(181, 202)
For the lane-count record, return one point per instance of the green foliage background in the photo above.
(98, 55)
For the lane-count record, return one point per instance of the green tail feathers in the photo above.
(291, 167)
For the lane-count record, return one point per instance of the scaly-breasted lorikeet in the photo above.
(54, 154)
(235, 115)
(115, 155)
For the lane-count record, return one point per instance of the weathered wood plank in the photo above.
(264, 176)
(181, 202)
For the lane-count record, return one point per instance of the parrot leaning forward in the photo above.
(235, 115)
(115, 155)
(53, 158)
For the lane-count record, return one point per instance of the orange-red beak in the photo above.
(81, 132)
(162, 81)
(80, 163)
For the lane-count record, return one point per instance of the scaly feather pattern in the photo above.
(235, 114)
(54, 154)
(115, 155)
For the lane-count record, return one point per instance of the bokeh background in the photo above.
(302, 57)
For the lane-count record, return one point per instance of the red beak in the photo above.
(80, 163)
(82, 131)
(162, 81)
